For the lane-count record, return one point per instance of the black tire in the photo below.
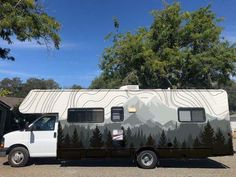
(147, 159)
(18, 157)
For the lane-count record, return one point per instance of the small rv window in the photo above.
(184, 116)
(198, 115)
(191, 115)
(85, 115)
(117, 114)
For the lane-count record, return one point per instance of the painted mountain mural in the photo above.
(154, 124)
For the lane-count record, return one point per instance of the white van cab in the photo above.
(37, 140)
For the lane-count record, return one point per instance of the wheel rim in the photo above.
(147, 159)
(17, 157)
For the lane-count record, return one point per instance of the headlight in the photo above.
(2, 143)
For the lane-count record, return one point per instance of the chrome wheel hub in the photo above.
(17, 157)
(147, 159)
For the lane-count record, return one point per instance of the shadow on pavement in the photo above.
(191, 163)
(165, 163)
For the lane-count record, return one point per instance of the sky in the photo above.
(84, 24)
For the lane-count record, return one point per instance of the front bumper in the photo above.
(3, 152)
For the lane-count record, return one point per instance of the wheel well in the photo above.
(14, 146)
(144, 149)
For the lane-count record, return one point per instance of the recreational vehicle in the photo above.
(143, 124)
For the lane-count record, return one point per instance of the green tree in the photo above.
(35, 83)
(175, 143)
(75, 86)
(14, 85)
(180, 49)
(96, 139)
(163, 140)
(17, 88)
(4, 92)
(231, 90)
(150, 141)
(207, 136)
(26, 20)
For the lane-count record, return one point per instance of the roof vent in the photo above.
(129, 87)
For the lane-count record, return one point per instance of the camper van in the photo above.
(142, 124)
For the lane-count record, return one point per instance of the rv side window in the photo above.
(191, 115)
(117, 114)
(85, 115)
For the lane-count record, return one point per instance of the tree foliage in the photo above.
(75, 86)
(26, 20)
(180, 49)
(4, 92)
(16, 87)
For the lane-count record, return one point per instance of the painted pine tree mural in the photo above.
(189, 141)
(60, 137)
(109, 140)
(67, 141)
(129, 136)
(196, 143)
(163, 140)
(150, 141)
(75, 138)
(124, 141)
(175, 143)
(207, 136)
(184, 145)
(219, 143)
(96, 138)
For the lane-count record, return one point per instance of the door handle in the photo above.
(55, 135)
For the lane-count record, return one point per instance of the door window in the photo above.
(46, 123)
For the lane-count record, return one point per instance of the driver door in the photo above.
(43, 137)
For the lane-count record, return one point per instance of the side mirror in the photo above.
(26, 125)
(27, 128)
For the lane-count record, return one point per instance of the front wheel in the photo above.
(147, 159)
(18, 157)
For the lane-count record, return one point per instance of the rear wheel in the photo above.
(18, 157)
(147, 159)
